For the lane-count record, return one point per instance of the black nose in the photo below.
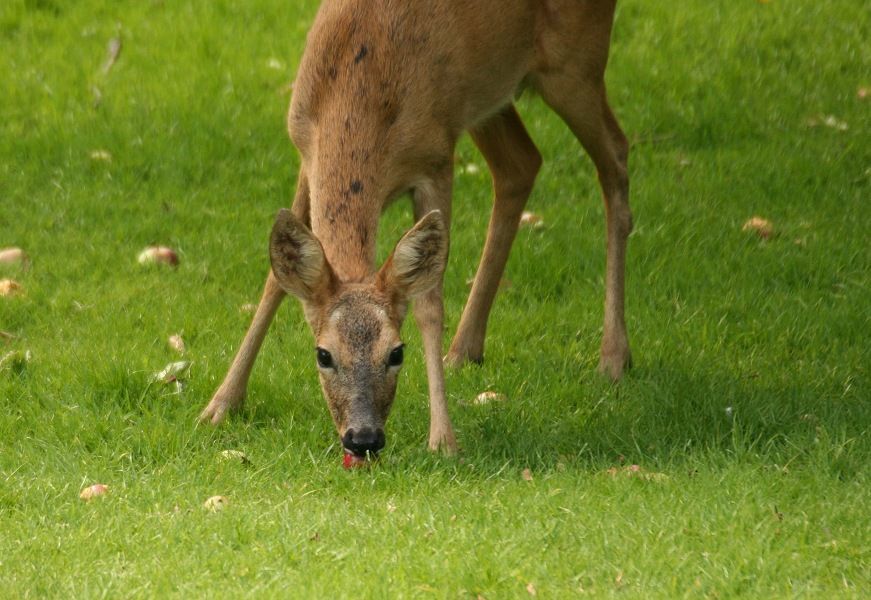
(363, 440)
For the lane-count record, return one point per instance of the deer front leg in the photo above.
(231, 394)
(429, 315)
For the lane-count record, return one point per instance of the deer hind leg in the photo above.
(231, 394)
(514, 162)
(580, 100)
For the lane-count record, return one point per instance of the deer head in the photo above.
(358, 348)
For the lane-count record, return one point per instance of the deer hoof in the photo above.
(456, 360)
(613, 365)
(221, 404)
(444, 442)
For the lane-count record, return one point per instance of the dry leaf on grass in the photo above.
(635, 472)
(762, 227)
(486, 398)
(94, 491)
(172, 372)
(830, 121)
(101, 156)
(835, 123)
(530, 589)
(216, 503)
(15, 361)
(236, 456)
(526, 474)
(10, 287)
(113, 51)
(862, 93)
(248, 309)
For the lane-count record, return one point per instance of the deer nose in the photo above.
(363, 440)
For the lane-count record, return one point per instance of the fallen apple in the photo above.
(352, 461)
(158, 255)
(93, 491)
(14, 257)
(177, 343)
(529, 219)
(9, 287)
(762, 227)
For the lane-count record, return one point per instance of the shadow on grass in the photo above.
(665, 417)
(669, 416)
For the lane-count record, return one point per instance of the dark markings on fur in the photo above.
(356, 187)
(363, 234)
(337, 210)
(361, 54)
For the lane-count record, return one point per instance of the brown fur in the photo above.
(384, 90)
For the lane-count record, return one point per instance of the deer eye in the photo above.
(325, 359)
(396, 357)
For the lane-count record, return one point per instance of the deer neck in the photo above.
(346, 202)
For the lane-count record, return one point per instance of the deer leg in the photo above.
(582, 104)
(514, 162)
(429, 315)
(231, 393)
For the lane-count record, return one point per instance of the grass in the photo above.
(750, 392)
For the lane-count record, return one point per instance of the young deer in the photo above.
(384, 90)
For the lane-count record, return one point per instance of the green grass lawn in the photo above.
(748, 410)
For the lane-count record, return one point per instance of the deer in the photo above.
(383, 92)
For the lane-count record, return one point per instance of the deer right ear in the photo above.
(418, 262)
(297, 258)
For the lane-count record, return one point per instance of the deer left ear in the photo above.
(418, 261)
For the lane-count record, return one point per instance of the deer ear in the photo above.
(297, 258)
(418, 261)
